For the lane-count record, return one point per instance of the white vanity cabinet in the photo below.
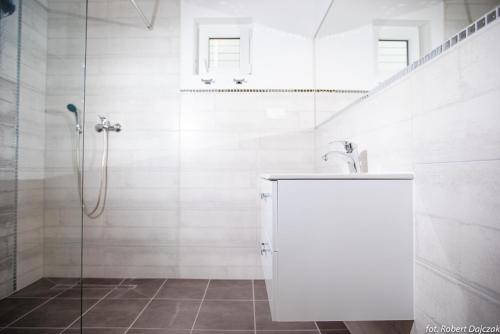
(338, 247)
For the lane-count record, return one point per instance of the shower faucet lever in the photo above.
(105, 124)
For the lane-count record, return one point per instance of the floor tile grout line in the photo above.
(199, 307)
(51, 281)
(146, 306)
(317, 327)
(36, 308)
(254, 314)
(87, 311)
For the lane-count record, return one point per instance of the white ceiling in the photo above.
(295, 16)
(349, 14)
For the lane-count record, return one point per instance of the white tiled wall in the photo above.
(31, 161)
(183, 173)
(441, 122)
(132, 78)
(227, 140)
(328, 104)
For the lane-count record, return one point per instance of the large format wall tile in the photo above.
(27, 139)
(449, 302)
(446, 132)
(183, 173)
(461, 131)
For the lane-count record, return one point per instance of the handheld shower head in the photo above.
(72, 108)
(7, 8)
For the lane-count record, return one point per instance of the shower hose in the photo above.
(98, 209)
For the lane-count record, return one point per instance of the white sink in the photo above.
(328, 176)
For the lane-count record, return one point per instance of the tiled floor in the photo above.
(148, 306)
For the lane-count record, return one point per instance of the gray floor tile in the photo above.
(183, 289)
(169, 314)
(114, 313)
(32, 331)
(264, 322)
(101, 281)
(233, 315)
(229, 289)
(13, 308)
(175, 314)
(42, 288)
(159, 331)
(331, 325)
(87, 293)
(260, 290)
(137, 288)
(96, 331)
(289, 332)
(64, 280)
(56, 313)
(221, 332)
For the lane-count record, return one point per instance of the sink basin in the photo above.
(328, 176)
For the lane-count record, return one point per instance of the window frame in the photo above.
(396, 30)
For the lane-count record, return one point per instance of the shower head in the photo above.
(72, 108)
(7, 8)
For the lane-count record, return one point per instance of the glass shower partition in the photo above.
(42, 104)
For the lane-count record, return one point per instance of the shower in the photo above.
(104, 126)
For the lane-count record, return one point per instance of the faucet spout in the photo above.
(349, 153)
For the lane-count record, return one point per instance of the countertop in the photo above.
(327, 176)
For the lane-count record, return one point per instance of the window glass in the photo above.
(392, 56)
(224, 53)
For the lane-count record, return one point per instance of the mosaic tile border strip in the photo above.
(257, 90)
(468, 31)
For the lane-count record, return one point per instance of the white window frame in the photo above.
(407, 47)
(211, 30)
(393, 31)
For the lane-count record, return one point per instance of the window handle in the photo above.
(207, 81)
(239, 81)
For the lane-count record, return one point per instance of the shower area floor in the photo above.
(152, 306)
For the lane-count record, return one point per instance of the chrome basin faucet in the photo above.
(349, 152)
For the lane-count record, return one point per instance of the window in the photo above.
(393, 56)
(224, 53)
(223, 49)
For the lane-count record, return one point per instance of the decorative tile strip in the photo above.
(258, 90)
(480, 23)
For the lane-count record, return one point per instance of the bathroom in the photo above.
(146, 144)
